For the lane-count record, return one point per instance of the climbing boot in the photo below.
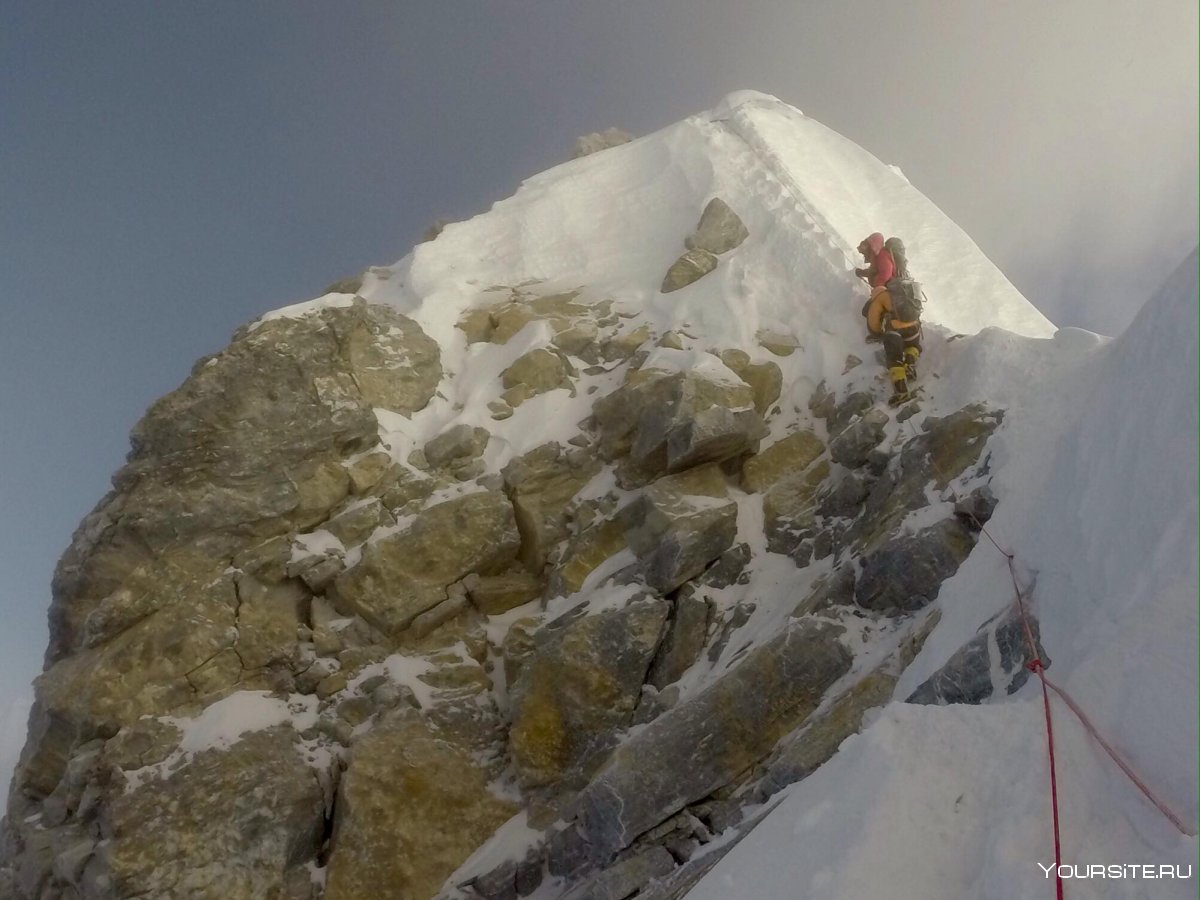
(900, 392)
(911, 355)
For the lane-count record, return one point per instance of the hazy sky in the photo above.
(169, 170)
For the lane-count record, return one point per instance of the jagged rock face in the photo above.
(580, 684)
(187, 835)
(414, 803)
(690, 751)
(405, 574)
(566, 642)
(661, 421)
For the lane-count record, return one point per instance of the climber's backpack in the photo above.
(895, 246)
(906, 299)
(905, 293)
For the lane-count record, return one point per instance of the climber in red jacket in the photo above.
(881, 268)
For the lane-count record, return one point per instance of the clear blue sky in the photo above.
(171, 170)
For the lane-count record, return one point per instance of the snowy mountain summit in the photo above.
(577, 555)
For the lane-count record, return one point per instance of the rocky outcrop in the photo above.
(681, 524)
(690, 267)
(662, 420)
(579, 685)
(600, 140)
(995, 661)
(186, 836)
(907, 571)
(414, 804)
(697, 747)
(719, 230)
(403, 574)
(569, 644)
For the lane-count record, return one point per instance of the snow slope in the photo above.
(1100, 506)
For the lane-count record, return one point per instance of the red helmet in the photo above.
(875, 242)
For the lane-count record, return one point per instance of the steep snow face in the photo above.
(1097, 471)
(616, 220)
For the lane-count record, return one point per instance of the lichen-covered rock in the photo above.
(403, 574)
(719, 230)
(186, 836)
(907, 572)
(785, 457)
(698, 746)
(533, 373)
(681, 524)
(690, 267)
(664, 421)
(765, 379)
(455, 443)
(494, 595)
(354, 524)
(413, 805)
(541, 484)
(597, 543)
(581, 683)
(219, 465)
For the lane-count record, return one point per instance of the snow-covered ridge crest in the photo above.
(614, 222)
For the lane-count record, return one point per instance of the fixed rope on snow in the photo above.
(1038, 667)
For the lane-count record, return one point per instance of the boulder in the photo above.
(977, 507)
(719, 230)
(941, 453)
(683, 642)
(456, 443)
(542, 484)
(405, 573)
(845, 497)
(681, 524)
(581, 684)
(690, 267)
(533, 373)
(413, 805)
(701, 745)
(596, 544)
(765, 379)
(839, 415)
(494, 595)
(854, 444)
(625, 344)
(785, 457)
(354, 524)
(777, 343)
(789, 508)
(664, 421)
(907, 572)
(186, 835)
